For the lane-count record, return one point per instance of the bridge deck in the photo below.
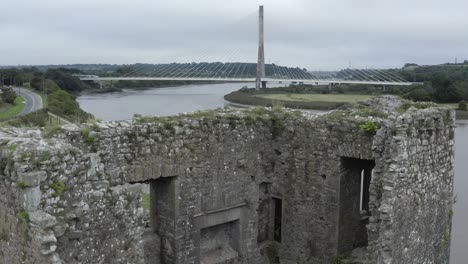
(305, 81)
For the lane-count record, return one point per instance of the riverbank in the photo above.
(120, 86)
(101, 91)
(461, 115)
(296, 101)
(307, 101)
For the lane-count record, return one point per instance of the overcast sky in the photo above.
(316, 34)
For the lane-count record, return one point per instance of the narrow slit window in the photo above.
(278, 219)
(361, 196)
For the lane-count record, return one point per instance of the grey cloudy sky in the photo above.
(317, 34)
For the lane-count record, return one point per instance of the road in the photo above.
(32, 100)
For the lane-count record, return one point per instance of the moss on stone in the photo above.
(450, 213)
(90, 139)
(21, 184)
(358, 109)
(409, 132)
(139, 119)
(445, 239)
(366, 111)
(447, 117)
(13, 147)
(50, 131)
(341, 258)
(24, 216)
(259, 110)
(58, 187)
(418, 105)
(451, 134)
(335, 115)
(25, 155)
(40, 157)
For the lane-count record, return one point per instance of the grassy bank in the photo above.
(334, 98)
(8, 111)
(462, 114)
(301, 98)
(295, 101)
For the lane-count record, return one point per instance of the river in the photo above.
(174, 100)
(157, 101)
(459, 250)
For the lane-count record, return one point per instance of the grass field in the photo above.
(342, 98)
(11, 110)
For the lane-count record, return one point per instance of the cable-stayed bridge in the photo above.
(260, 73)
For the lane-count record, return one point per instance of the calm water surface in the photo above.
(158, 101)
(171, 101)
(460, 218)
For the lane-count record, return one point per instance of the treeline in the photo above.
(64, 76)
(200, 69)
(50, 80)
(59, 86)
(446, 83)
(8, 96)
(80, 67)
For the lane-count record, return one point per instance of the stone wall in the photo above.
(413, 191)
(252, 186)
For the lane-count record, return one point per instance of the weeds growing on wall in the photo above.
(58, 187)
(370, 127)
(21, 184)
(24, 216)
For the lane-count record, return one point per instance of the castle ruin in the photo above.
(373, 182)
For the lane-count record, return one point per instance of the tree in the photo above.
(444, 90)
(124, 70)
(36, 83)
(410, 65)
(64, 80)
(418, 94)
(462, 87)
(63, 102)
(462, 106)
(8, 95)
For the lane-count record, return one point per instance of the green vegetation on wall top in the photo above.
(370, 127)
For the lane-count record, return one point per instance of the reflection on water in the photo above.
(162, 101)
(171, 101)
(459, 254)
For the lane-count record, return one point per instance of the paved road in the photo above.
(32, 100)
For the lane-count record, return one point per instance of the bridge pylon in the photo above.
(261, 53)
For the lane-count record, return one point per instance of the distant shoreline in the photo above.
(121, 89)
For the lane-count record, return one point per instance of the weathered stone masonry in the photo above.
(253, 186)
